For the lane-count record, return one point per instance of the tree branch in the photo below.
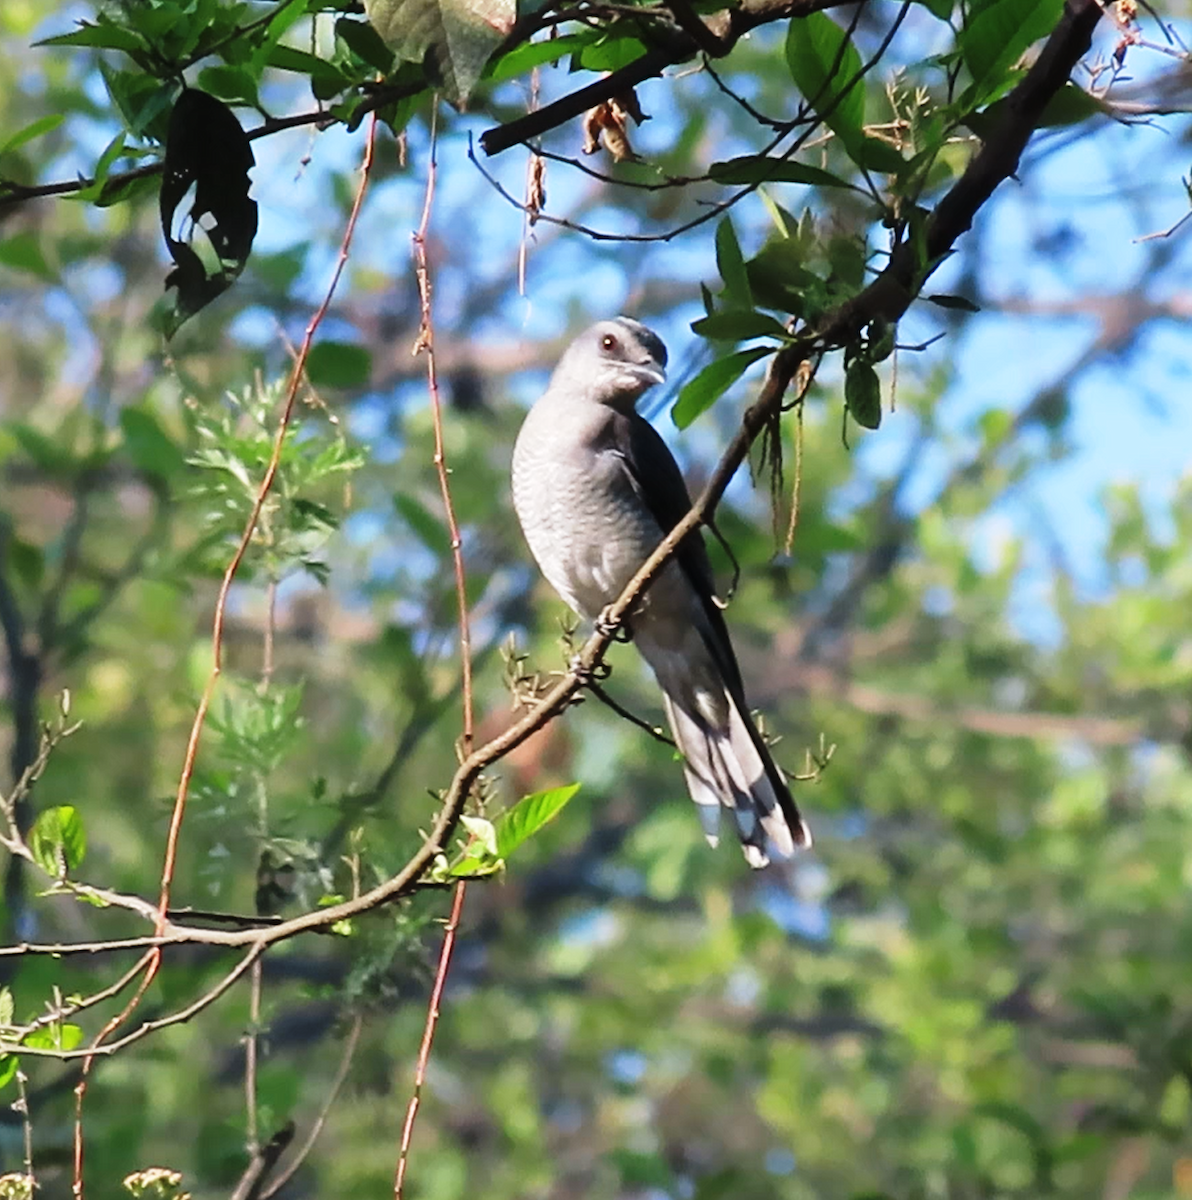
(723, 31)
(887, 297)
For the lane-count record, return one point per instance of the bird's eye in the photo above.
(608, 342)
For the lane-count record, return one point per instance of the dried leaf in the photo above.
(608, 124)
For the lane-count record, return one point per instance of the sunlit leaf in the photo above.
(826, 68)
(517, 825)
(57, 840)
(712, 382)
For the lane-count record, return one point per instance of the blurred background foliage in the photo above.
(977, 984)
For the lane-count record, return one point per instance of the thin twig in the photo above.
(251, 1142)
(192, 746)
(426, 344)
(655, 731)
(316, 1128)
(261, 1165)
(428, 1035)
(192, 1010)
(22, 1107)
(886, 297)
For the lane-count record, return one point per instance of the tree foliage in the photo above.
(278, 677)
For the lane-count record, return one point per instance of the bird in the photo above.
(596, 489)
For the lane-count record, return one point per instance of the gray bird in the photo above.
(596, 490)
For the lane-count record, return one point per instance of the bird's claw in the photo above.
(608, 627)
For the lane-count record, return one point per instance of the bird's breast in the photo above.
(585, 526)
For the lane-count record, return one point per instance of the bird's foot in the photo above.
(607, 627)
(588, 674)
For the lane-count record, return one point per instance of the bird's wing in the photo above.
(657, 481)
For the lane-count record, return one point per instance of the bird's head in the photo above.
(612, 362)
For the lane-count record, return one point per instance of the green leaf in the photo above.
(863, 394)
(57, 840)
(452, 38)
(22, 252)
(610, 53)
(535, 54)
(759, 168)
(483, 832)
(8, 1068)
(780, 280)
(826, 68)
(875, 155)
(364, 42)
(939, 8)
(34, 129)
(103, 35)
(712, 382)
(521, 822)
(996, 35)
(1069, 106)
(339, 364)
(229, 83)
(429, 530)
(55, 1037)
(326, 79)
(731, 264)
(517, 825)
(148, 445)
(958, 302)
(733, 325)
(103, 168)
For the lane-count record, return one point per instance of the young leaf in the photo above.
(483, 833)
(712, 382)
(8, 1068)
(826, 68)
(515, 826)
(863, 394)
(55, 1037)
(731, 264)
(57, 840)
(33, 130)
(521, 822)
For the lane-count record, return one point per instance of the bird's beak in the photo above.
(650, 372)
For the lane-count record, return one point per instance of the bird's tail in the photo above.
(728, 764)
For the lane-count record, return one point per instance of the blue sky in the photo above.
(1131, 418)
